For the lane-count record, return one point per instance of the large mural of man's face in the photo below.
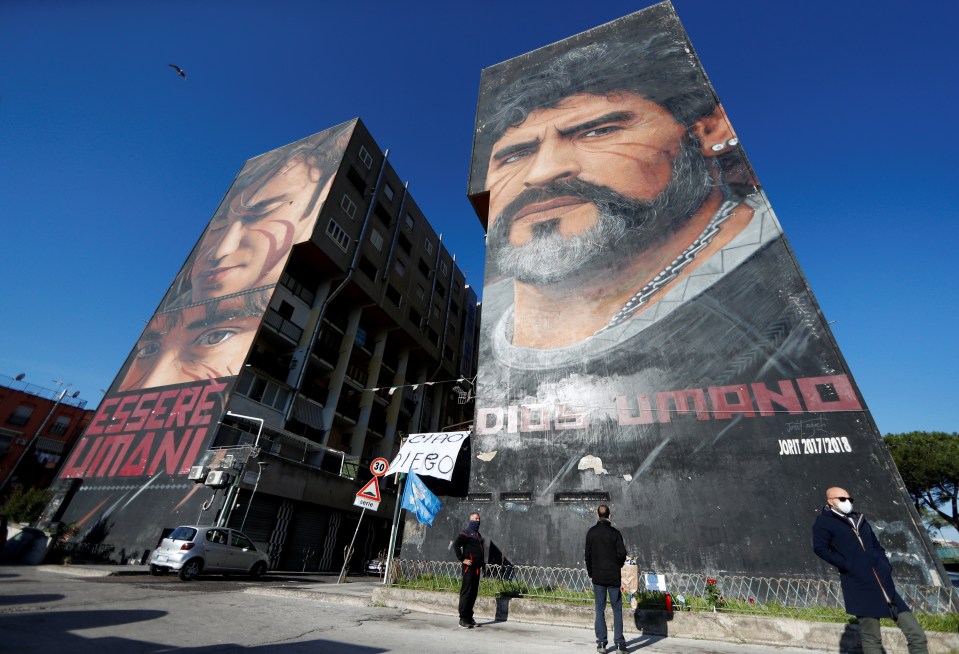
(590, 174)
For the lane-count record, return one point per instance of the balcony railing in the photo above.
(291, 447)
(282, 326)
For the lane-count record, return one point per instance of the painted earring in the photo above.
(719, 147)
(733, 142)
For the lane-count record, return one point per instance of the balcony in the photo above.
(291, 447)
(282, 326)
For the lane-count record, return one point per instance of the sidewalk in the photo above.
(732, 628)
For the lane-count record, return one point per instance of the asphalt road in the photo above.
(45, 612)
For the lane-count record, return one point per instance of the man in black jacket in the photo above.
(843, 538)
(471, 553)
(605, 555)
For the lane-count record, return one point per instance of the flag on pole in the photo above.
(420, 500)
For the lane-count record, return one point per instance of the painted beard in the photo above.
(624, 227)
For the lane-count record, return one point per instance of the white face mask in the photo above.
(845, 506)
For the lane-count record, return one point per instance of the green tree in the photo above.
(25, 505)
(929, 465)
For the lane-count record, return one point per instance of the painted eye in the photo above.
(516, 156)
(148, 349)
(215, 337)
(602, 131)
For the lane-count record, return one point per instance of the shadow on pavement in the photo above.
(30, 599)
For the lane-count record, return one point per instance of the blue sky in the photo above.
(112, 165)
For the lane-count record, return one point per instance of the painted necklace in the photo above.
(673, 268)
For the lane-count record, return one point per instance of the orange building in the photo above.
(37, 427)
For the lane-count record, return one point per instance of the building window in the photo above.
(263, 391)
(59, 426)
(20, 415)
(436, 311)
(347, 205)
(428, 244)
(285, 310)
(376, 239)
(409, 222)
(404, 243)
(424, 268)
(366, 157)
(388, 191)
(420, 291)
(383, 214)
(357, 181)
(367, 268)
(444, 269)
(441, 290)
(339, 236)
(399, 267)
(393, 295)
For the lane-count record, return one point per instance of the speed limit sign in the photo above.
(379, 467)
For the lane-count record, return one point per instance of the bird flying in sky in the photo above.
(179, 70)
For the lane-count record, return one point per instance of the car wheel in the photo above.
(157, 571)
(258, 570)
(191, 569)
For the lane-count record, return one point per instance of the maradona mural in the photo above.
(648, 338)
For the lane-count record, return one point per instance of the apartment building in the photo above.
(318, 320)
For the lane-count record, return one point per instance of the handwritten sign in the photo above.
(430, 455)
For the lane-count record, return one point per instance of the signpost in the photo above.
(368, 497)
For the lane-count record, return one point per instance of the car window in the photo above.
(182, 533)
(216, 536)
(239, 540)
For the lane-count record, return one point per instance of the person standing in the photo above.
(844, 539)
(605, 555)
(472, 554)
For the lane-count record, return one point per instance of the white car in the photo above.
(193, 549)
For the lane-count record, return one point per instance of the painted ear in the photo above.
(715, 133)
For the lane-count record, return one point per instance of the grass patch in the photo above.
(656, 601)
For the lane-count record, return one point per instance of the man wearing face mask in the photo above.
(471, 553)
(843, 538)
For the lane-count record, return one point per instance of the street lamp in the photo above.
(249, 502)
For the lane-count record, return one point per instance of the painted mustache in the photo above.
(606, 199)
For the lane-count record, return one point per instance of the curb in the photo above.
(314, 595)
(77, 571)
(730, 628)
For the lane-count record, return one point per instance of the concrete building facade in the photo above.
(318, 320)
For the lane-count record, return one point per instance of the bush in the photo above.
(25, 505)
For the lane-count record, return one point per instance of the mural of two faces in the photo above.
(161, 412)
(648, 336)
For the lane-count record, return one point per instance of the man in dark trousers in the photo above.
(605, 555)
(471, 553)
(843, 538)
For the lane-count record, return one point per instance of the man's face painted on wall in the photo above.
(208, 341)
(248, 240)
(592, 173)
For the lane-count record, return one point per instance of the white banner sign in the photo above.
(430, 455)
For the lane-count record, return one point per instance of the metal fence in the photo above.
(739, 594)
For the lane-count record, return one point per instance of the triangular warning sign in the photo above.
(371, 491)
